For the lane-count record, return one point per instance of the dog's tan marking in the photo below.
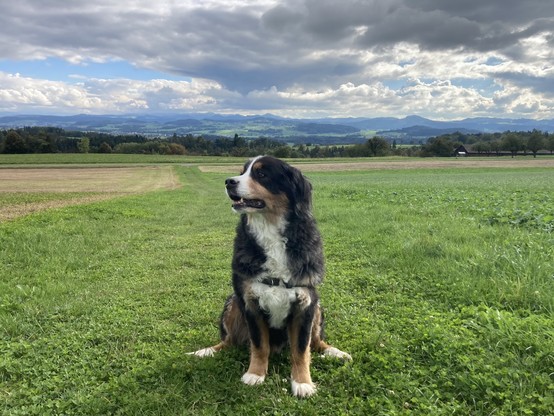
(234, 324)
(317, 343)
(259, 356)
(276, 205)
(300, 359)
(301, 381)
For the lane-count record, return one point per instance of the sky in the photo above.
(441, 59)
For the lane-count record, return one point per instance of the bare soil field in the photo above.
(73, 186)
(119, 180)
(408, 164)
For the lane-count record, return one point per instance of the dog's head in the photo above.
(269, 185)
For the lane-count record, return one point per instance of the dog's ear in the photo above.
(301, 197)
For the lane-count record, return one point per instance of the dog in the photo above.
(277, 264)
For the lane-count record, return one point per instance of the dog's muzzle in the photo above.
(239, 203)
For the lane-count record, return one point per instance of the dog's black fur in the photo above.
(277, 264)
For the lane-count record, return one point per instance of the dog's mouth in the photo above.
(243, 203)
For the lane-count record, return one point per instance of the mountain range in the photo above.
(323, 131)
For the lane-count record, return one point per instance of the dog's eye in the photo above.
(260, 174)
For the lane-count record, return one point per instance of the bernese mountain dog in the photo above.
(277, 265)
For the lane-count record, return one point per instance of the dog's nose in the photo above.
(231, 182)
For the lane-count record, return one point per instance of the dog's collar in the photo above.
(273, 281)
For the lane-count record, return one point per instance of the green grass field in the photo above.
(49, 159)
(440, 284)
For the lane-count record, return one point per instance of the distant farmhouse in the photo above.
(461, 151)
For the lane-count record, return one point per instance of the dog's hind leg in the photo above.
(232, 328)
(319, 345)
(209, 351)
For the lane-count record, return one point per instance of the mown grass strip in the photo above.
(68, 159)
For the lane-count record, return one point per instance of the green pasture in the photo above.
(53, 159)
(440, 284)
(76, 159)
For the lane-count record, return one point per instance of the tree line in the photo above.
(57, 140)
(491, 144)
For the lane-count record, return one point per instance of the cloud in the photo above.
(108, 96)
(21, 93)
(313, 56)
(437, 99)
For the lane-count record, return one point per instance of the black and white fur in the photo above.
(277, 264)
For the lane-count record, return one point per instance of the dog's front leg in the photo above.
(259, 350)
(300, 336)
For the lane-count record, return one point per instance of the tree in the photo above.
(550, 142)
(104, 148)
(378, 146)
(84, 145)
(176, 149)
(482, 147)
(439, 146)
(15, 143)
(282, 152)
(535, 142)
(512, 142)
(496, 146)
(239, 141)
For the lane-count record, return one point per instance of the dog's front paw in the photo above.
(252, 379)
(335, 352)
(303, 389)
(303, 298)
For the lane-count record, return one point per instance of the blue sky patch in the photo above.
(55, 69)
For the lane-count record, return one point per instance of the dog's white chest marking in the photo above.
(270, 237)
(276, 300)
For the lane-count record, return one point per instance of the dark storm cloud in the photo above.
(246, 47)
(511, 12)
(432, 25)
(523, 80)
(429, 30)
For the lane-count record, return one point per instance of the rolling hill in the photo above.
(322, 131)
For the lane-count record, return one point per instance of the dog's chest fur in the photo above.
(270, 238)
(275, 300)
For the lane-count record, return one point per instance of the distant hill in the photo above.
(318, 131)
(415, 134)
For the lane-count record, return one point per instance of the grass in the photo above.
(437, 284)
(54, 159)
